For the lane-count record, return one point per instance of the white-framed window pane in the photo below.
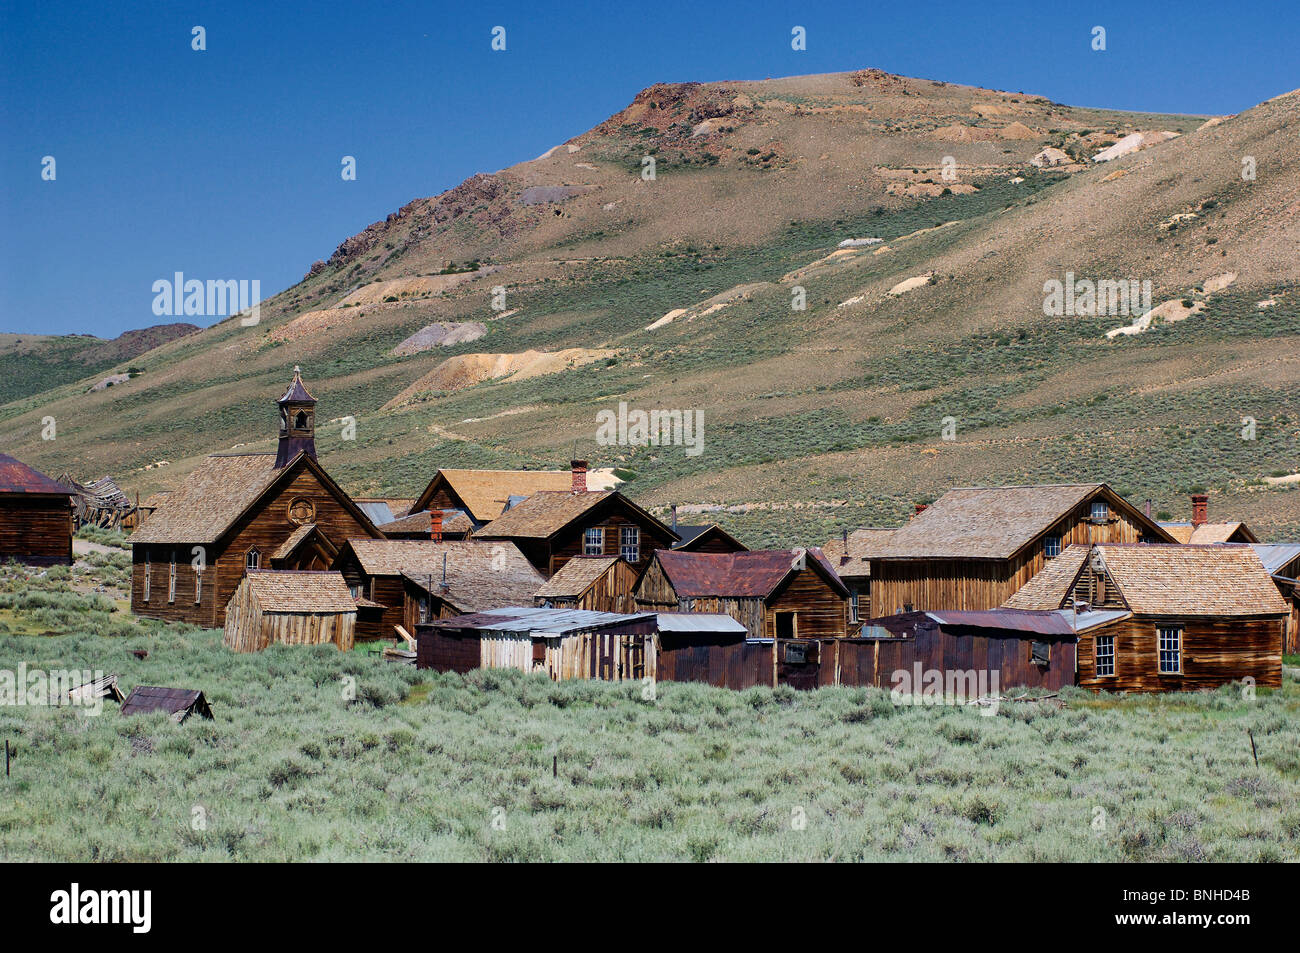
(1105, 655)
(630, 543)
(253, 559)
(198, 586)
(171, 580)
(148, 572)
(1171, 651)
(1052, 546)
(1100, 511)
(593, 541)
(853, 605)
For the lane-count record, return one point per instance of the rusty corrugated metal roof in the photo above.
(18, 477)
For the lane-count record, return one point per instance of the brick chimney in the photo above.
(579, 468)
(435, 525)
(921, 508)
(1200, 508)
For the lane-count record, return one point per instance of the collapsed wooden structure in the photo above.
(101, 504)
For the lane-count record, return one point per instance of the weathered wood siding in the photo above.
(722, 661)
(264, 527)
(1215, 652)
(565, 545)
(36, 529)
(820, 611)
(249, 628)
(961, 584)
(611, 592)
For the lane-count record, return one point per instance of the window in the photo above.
(148, 571)
(853, 605)
(1104, 653)
(593, 541)
(1100, 511)
(252, 559)
(1171, 650)
(630, 543)
(1147, 538)
(198, 585)
(300, 422)
(1052, 546)
(171, 579)
(1040, 653)
(424, 608)
(786, 626)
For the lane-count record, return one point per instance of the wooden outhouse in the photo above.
(290, 607)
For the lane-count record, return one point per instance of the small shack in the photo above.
(599, 583)
(35, 516)
(563, 643)
(290, 607)
(710, 647)
(179, 703)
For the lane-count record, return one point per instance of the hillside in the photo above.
(676, 293)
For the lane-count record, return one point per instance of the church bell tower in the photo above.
(297, 422)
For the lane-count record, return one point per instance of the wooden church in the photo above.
(241, 511)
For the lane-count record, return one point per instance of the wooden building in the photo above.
(774, 593)
(706, 538)
(407, 581)
(1192, 616)
(974, 548)
(1201, 531)
(1282, 562)
(850, 555)
(429, 524)
(288, 607)
(483, 495)
(563, 643)
(237, 512)
(35, 516)
(551, 527)
(599, 583)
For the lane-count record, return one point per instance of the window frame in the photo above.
(171, 578)
(624, 547)
(1098, 656)
(1047, 657)
(1048, 540)
(148, 572)
(1162, 650)
(593, 541)
(198, 586)
(252, 559)
(855, 606)
(1105, 511)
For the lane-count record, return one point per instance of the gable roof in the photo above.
(749, 574)
(993, 522)
(1222, 579)
(576, 576)
(694, 536)
(484, 492)
(863, 544)
(173, 701)
(285, 590)
(544, 514)
(18, 477)
(1276, 556)
(453, 521)
(220, 491)
(479, 575)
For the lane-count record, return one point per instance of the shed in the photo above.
(290, 607)
(601, 583)
(35, 516)
(563, 643)
(180, 703)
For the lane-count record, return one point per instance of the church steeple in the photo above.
(297, 422)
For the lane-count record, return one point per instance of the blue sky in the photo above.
(225, 163)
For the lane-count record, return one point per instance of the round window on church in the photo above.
(302, 511)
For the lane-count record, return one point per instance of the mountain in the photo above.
(960, 208)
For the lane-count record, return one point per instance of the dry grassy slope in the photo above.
(833, 410)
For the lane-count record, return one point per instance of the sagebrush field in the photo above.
(423, 766)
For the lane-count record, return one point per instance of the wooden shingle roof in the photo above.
(1222, 579)
(485, 492)
(576, 576)
(755, 573)
(476, 576)
(293, 590)
(991, 522)
(863, 544)
(212, 497)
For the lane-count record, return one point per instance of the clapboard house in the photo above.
(1188, 616)
(773, 593)
(35, 516)
(403, 582)
(551, 527)
(242, 511)
(599, 583)
(973, 548)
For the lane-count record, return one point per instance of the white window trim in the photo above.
(634, 547)
(256, 559)
(1177, 631)
(198, 586)
(1097, 656)
(171, 578)
(148, 571)
(1059, 545)
(587, 543)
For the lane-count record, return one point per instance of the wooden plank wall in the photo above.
(1215, 652)
(36, 529)
(250, 629)
(722, 661)
(821, 611)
